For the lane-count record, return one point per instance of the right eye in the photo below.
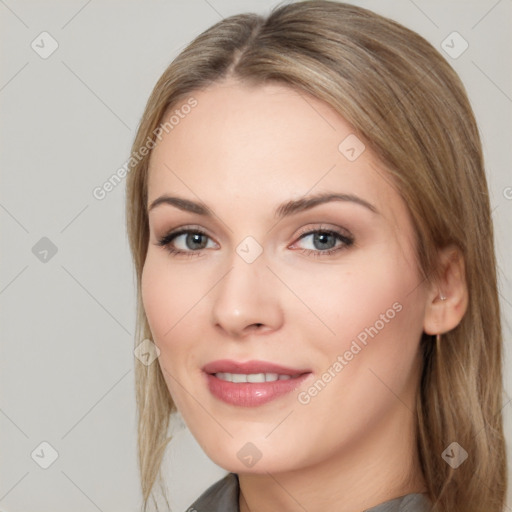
(186, 241)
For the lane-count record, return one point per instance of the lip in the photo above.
(247, 394)
(229, 366)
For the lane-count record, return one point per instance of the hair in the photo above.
(409, 106)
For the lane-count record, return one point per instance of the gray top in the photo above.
(222, 496)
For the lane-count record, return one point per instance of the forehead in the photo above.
(262, 144)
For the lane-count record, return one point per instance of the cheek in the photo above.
(371, 358)
(173, 304)
(167, 295)
(156, 297)
(372, 317)
(351, 297)
(377, 314)
(166, 301)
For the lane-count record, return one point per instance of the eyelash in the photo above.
(347, 240)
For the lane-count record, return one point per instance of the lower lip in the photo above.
(252, 394)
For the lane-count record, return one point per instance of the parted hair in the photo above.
(409, 106)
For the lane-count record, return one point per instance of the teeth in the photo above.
(252, 377)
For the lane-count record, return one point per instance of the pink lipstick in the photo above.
(251, 383)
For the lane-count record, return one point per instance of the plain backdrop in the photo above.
(67, 289)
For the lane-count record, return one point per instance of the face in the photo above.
(323, 295)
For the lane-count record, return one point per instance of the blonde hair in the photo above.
(410, 107)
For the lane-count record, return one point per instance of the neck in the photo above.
(368, 472)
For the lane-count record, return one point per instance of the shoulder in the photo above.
(409, 503)
(222, 496)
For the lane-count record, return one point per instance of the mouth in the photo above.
(252, 383)
(253, 377)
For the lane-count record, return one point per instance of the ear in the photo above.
(444, 315)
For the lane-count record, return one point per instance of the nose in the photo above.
(245, 300)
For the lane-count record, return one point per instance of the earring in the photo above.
(438, 335)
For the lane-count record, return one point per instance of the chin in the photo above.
(260, 467)
(248, 457)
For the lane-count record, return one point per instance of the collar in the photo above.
(223, 496)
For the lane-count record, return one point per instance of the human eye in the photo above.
(325, 241)
(186, 241)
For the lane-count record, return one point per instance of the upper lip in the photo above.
(248, 367)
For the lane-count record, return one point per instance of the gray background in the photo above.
(67, 323)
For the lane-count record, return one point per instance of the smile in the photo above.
(253, 377)
(251, 383)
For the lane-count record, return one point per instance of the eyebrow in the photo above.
(284, 210)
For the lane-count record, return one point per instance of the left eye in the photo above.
(324, 241)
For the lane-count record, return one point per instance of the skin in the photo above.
(243, 150)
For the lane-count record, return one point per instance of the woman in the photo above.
(310, 224)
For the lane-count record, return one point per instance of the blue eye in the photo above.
(325, 242)
(191, 242)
